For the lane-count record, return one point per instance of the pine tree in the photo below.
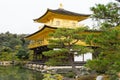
(65, 41)
(106, 16)
(107, 61)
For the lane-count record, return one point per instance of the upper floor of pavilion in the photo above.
(61, 18)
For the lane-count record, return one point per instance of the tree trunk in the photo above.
(95, 53)
(74, 69)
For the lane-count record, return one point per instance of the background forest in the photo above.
(13, 47)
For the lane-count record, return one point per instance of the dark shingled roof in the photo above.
(45, 26)
(65, 12)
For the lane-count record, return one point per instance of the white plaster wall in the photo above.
(87, 56)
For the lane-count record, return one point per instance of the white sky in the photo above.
(16, 16)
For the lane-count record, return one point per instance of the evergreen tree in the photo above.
(64, 43)
(107, 16)
(109, 46)
(11, 44)
(108, 41)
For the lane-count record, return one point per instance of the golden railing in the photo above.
(38, 43)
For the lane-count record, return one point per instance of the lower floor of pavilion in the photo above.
(39, 58)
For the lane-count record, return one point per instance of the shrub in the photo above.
(86, 77)
(53, 77)
(70, 74)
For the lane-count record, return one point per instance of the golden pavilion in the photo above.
(52, 20)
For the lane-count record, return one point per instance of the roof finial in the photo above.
(61, 6)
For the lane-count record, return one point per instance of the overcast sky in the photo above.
(16, 16)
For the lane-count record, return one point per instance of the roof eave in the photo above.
(45, 26)
(50, 10)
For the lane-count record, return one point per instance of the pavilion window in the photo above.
(73, 24)
(57, 23)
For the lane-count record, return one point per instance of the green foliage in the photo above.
(99, 66)
(53, 77)
(11, 44)
(22, 54)
(54, 53)
(107, 16)
(91, 39)
(57, 56)
(9, 40)
(64, 43)
(65, 37)
(108, 59)
(53, 62)
(3, 56)
(65, 40)
(83, 50)
(108, 41)
(87, 77)
(70, 74)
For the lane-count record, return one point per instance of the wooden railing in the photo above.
(38, 43)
